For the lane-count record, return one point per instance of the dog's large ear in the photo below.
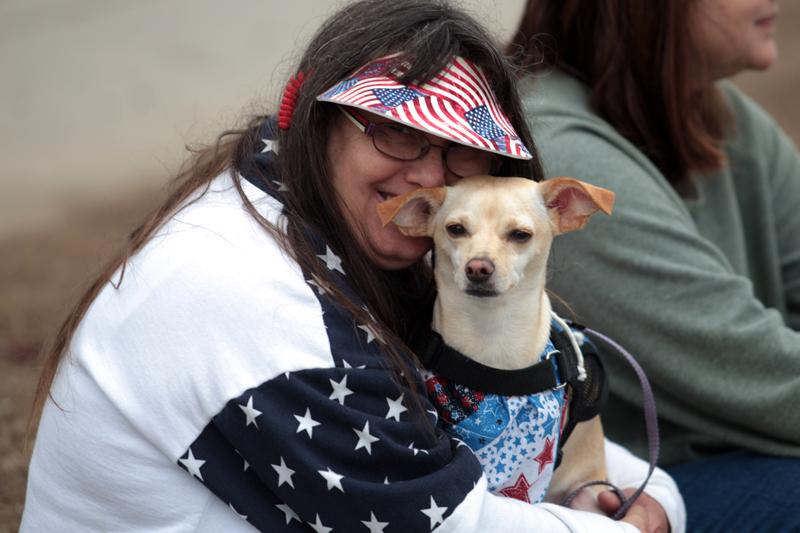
(571, 202)
(411, 212)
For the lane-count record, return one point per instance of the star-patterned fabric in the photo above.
(331, 446)
(514, 437)
(219, 388)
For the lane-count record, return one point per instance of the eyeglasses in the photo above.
(408, 144)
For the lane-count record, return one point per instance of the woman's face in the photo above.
(735, 35)
(363, 177)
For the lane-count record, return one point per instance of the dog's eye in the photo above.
(456, 230)
(518, 235)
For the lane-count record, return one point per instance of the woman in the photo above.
(697, 273)
(251, 337)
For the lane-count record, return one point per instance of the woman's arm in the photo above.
(269, 394)
(627, 471)
(340, 445)
(781, 160)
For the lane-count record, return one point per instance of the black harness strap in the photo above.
(588, 395)
(455, 366)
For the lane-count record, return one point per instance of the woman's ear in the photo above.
(412, 212)
(571, 202)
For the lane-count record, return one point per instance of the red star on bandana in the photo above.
(518, 490)
(546, 456)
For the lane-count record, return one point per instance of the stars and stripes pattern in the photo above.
(396, 97)
(457, 104)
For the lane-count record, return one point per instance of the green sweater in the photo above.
(702, 288)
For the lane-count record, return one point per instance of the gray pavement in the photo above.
(98, 97)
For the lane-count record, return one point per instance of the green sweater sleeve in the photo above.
(783, 169)
(725, 368)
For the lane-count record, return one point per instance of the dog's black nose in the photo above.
(479, 269)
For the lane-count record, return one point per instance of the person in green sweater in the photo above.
(697, 273)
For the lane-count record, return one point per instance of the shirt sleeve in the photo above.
(628, 471)
(343, 449)
(721, 363)
(783, 168)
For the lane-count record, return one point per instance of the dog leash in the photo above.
(651, 426)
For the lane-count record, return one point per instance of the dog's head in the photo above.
(490, 233)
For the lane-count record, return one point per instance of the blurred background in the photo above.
(97, 102)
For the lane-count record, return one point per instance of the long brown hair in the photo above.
(428, 33)
(645, 75)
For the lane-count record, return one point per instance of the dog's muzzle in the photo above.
(481, 291)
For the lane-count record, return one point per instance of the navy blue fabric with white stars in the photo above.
(335, 448)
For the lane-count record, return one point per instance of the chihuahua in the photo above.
(492, 238)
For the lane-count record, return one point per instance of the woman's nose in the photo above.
(430, 170)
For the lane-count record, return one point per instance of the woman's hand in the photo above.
(646, 514)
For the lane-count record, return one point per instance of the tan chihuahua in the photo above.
(492, 239)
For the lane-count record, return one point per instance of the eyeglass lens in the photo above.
(407, 144)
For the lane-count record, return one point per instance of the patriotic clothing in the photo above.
(516, 438)
(219, 388)
(457, 104)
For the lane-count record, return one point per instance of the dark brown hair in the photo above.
(428, 33)
(644, 73)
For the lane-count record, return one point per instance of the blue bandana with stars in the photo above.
(516, 438)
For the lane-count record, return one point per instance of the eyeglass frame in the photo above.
(369, 127)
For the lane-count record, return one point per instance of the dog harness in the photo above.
(514, 420)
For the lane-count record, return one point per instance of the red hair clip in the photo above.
(289, 100)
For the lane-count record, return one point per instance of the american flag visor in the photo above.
(457, 104)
